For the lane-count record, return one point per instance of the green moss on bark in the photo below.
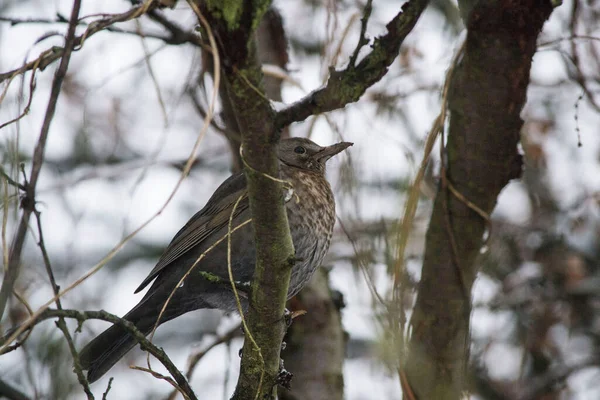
(229, 11)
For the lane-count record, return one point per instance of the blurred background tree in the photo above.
(132, 103)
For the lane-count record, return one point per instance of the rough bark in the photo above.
(234, 24)
(486, 96)
(271, 49)
(348, 85)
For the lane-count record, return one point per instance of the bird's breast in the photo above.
(311, 206)
(311, 215)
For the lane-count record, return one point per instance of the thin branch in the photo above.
(153, 78)
(61, 321)
(9, 392)
(178, 34)
(145, 344)
(579, 75)
(208, 119)
(27, 106)
(162, 377)
(224, 338)
(348, 85)
(202, 112)
(568, 39)
(185, 171)
(108, 387)
(30, 190)
(196, 357)
(11, 181)
(49, 56)
(28, 202)
(362, 39)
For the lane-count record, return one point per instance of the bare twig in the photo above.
(410, 208)
(178, 34)
(11, 181)
(202, 112)
(27, 106)
(49, 56)
(9, 392)
(185, 171)
(362, 40)
(22, 341)
(362, 265)
(338, 51)
(413, 197)
(30, 188)
(61, 321)
(336, 94)
(162, 377)
(105, 394)
(28, 202)
(207, 120)
(579, 76)
(153, 78)
(196, 357)
(568, 39)
(139, 337)
(224, 338)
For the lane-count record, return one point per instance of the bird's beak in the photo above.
(331, 151)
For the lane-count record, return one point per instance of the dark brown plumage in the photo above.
(311, 215)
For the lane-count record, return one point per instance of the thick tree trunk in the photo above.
(271, 44)
(486, 96)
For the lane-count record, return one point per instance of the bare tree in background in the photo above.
(243, 48)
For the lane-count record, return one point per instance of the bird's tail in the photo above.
(98, 356)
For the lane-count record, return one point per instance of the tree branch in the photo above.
(347, 86)
(9, 392)
(178, 35)
(28, 202)
(145, 344)
(55, 53)
(61, 321)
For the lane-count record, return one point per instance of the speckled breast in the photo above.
(311, 215)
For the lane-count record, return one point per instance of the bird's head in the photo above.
(306, 154)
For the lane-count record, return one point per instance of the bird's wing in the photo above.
(214, 216)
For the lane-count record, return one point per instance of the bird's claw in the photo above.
(288, 318)
(284, 377)
(243, 286)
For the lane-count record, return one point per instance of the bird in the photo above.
(310, 208)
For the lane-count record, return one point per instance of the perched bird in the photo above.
(311, 216)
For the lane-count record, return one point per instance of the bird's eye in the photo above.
(299, 150)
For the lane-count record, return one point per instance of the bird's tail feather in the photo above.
(98, 356)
